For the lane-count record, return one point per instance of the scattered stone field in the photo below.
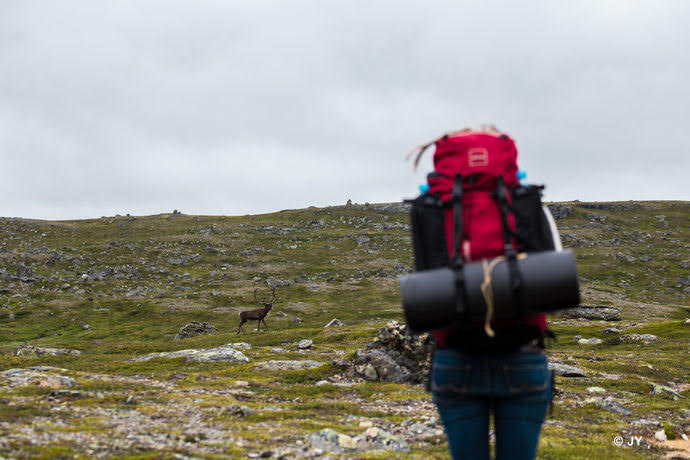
(118, 337)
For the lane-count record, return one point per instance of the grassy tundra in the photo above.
(120, 287)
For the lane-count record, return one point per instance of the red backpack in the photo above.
(475, 208)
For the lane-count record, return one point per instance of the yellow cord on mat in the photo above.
(488, 293)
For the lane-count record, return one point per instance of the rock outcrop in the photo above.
(395, 356)
(195, 328)
(560, 211)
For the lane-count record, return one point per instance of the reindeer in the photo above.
(258, 313)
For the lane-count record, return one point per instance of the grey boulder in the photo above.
(288, 365)
(194, 329)
(593, 313)
(30, 350)
(37, 376)
(335, 322)
(225, 353)
(565, 370)
(592, 341)
(304, 344)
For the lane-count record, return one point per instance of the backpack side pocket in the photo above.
(532, 226)
(428, 232)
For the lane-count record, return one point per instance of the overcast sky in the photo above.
(243, 107)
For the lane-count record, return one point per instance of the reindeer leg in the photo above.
(266, 325)
(239, 327)
(258, 327)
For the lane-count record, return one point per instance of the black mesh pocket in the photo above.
(428, 232)
(533, 231)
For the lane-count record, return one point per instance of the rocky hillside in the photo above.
(95, 362)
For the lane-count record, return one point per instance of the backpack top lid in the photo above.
(477, 151)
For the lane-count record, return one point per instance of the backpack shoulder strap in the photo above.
(510, 253)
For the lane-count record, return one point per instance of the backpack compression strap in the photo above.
(456, 261)
(510, 253)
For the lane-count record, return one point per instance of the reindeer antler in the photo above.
(263, 299)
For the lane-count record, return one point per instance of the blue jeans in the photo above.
(516, 387)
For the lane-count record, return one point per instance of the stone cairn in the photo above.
(195, 328)
(395, 356)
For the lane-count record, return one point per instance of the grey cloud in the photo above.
(239, 107)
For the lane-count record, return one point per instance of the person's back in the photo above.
(488, 367)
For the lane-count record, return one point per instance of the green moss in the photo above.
(12, 413)
(670, 431)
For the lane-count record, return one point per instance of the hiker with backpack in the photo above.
(488, 265)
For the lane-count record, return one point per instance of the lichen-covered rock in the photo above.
(565, 370)
(660, 436)
(335, 322)
(225, 353)
(304, 344)
(288, 365)
(30, 350)
(329, 440)
(645, 338)
(36, 376)
(195, 328)
(609, 405)
(592, 341)
(378, 439)
(663, 390)
(395, 356)
(593, 313)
